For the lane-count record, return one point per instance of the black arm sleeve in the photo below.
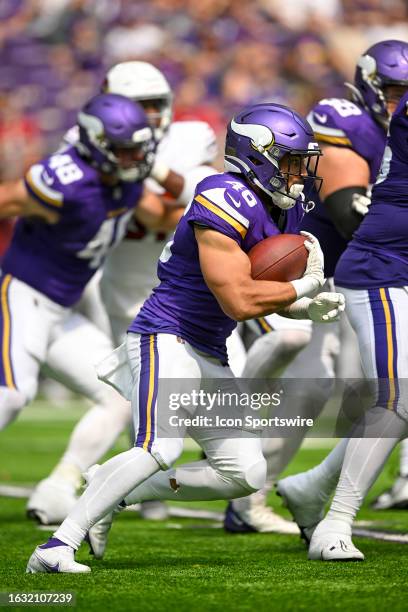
(338, 207)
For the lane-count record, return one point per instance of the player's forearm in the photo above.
(11, 202)
(251, 299)
(15, 201)
(170, 218)
(9, 210)
(163, 219)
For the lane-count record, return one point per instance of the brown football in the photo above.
(279, 258)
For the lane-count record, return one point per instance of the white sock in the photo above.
(363, 461)
(279, 451)
(112, 482)
(69, 473)
(11, 402)
(404, 458)
(95, 434)
(324, 476)
(196, 481)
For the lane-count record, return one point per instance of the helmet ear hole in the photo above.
(230, 150)
(254, 160)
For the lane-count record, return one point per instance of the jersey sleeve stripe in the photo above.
(220, 213)
(333, 139)
(40, 190)
(318, 128)
(217, 196)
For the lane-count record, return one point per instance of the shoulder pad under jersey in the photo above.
(224, 201)
(57, 178)
(340, 122)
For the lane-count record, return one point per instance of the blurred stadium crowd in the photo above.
(217, 54)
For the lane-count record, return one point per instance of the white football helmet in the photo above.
(143, 82)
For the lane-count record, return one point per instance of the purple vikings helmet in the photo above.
(259, 137)
(109, 123)
(385, 63)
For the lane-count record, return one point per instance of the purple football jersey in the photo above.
(345, 124)
(182, 304)
(378, 254)
(59, 259)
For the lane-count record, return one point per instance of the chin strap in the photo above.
(289, 199)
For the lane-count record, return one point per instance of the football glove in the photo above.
(326, 307)
(313, 277)
(360, 203)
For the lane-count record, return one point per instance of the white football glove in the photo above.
(160, 171)
(326, 307)
(360, 203)
(313, 277)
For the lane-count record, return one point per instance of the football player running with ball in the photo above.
(373, 272)
(181, 330)
(184, 153)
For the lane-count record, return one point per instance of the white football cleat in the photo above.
(396, 497)
(155, 510)
(252, 514)
(302, 500)
(331, 541)
(51, 501)
(55, 560)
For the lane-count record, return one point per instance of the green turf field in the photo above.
(190, 564)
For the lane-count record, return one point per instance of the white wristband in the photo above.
(160, 171)
(305, 286)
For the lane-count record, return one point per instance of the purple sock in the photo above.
(52, 542)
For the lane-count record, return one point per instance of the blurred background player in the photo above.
(373, 271)
(184, 154)
(73, 207)
(181, 329)
(352, 136)
(381, 79)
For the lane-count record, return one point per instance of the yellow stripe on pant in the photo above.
(390, 348)
(150, 393)
(8, 371)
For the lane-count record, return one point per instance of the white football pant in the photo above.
(234, 467)
(38, 333)
(380, 319)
